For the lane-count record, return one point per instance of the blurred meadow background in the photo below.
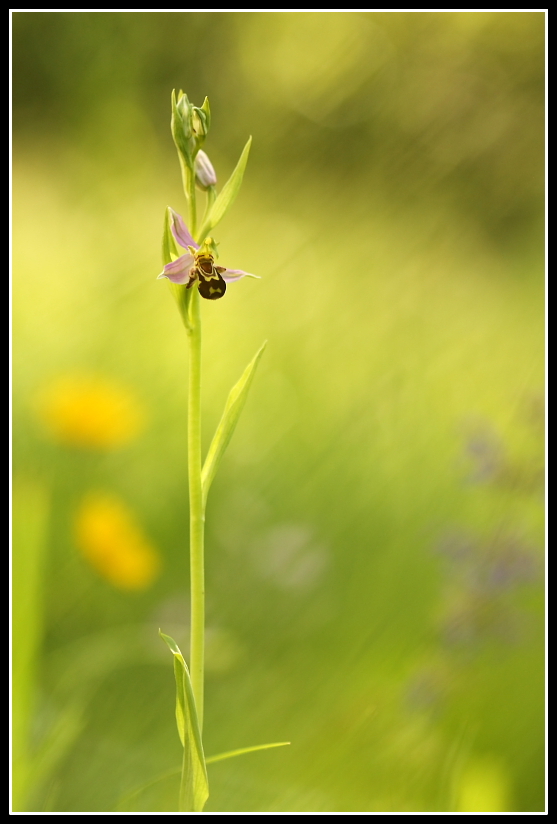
(375, 533)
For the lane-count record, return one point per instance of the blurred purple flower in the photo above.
(509, 564)
(485, 451)
(457, 546)
(481, 575)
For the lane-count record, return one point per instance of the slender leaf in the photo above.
(132, 794)
(126, 799)
(227, 195)
(31, 512)
(194, 786)
(233, 753)
(227, 424)
(169, 248)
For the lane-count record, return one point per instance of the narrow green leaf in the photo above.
(227, 195)
(181, 709)
(170, 252)
(169, 247)
(227, 424)
(233, 753)
(126, 799)
(129, 796)
(31, 511)
(194, 786)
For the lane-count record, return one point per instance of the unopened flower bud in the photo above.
(201, 120)
(204, 173)
(181, 125)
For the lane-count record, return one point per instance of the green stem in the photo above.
(211, 197)
(188, 182)
(197, 515)
(191, 195)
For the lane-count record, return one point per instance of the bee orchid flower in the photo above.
(198, 264)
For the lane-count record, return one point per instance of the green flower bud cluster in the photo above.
(190, 125)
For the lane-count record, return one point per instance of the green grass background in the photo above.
(393, 206)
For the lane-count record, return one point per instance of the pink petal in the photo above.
(179, 270)
(230, 275)
(181, 232)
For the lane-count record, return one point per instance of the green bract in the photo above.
(227, 196)
(194, 789)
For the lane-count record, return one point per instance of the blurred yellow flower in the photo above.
(484, 787)
(90, 411)
(110, 539)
